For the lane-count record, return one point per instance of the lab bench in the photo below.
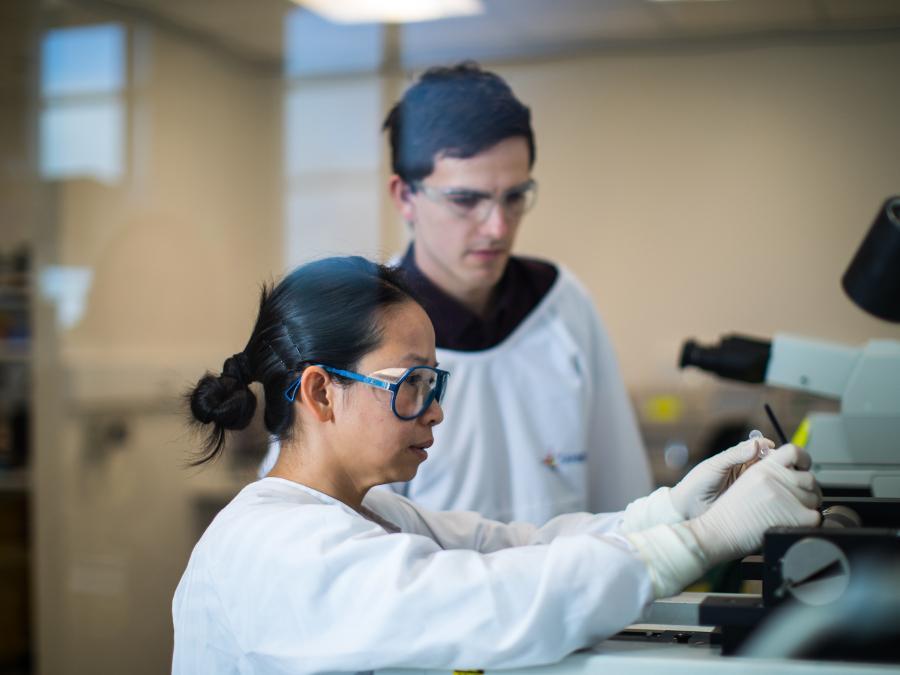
(630, 657)
(673, 641)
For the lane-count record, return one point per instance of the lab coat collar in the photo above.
(365, 512)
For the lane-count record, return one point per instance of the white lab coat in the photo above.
(289, 580)
(537, 426)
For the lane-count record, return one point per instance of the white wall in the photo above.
(179, 248)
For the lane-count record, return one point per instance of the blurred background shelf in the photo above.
(14, 351)
(15, 480)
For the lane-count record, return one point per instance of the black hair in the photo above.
(328, 311)
(456, 111)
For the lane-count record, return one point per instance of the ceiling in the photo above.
(254, 30)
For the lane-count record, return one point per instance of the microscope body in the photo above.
(857, 449)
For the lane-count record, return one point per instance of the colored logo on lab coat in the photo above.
(553, 459)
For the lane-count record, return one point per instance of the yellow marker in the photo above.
(801, 436)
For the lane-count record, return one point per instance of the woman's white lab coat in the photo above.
(289, 580)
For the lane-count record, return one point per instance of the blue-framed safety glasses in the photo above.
(413, 390)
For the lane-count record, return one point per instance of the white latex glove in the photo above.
(654, 509)
(777, 491)
(697, 491)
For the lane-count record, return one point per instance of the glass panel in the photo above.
(82, 122)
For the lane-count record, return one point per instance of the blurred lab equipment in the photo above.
(822, 577)
(856, 450)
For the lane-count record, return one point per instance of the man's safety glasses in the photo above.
(413, 390)
(476, 206)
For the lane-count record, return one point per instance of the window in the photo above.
(82, 120)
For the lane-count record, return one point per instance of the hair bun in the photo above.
(225, 401)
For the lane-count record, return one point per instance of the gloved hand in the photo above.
(697, 491)
(776, 491)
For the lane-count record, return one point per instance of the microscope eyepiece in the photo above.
(735, 357)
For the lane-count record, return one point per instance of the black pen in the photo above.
(775, 424)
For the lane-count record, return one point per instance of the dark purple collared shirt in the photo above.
(523, 285)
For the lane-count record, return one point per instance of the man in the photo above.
(539, 421)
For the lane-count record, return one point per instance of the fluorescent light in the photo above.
(391, 11)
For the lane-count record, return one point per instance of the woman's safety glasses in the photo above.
(413, 390)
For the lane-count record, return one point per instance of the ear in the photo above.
(401, 195)
(316, 393)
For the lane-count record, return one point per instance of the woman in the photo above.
(309, 570)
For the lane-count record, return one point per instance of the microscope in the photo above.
(839, 584)
(856, 452)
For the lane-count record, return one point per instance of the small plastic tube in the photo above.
(763, 450)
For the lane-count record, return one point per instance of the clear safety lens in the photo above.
(416, 392)
(478, 207)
